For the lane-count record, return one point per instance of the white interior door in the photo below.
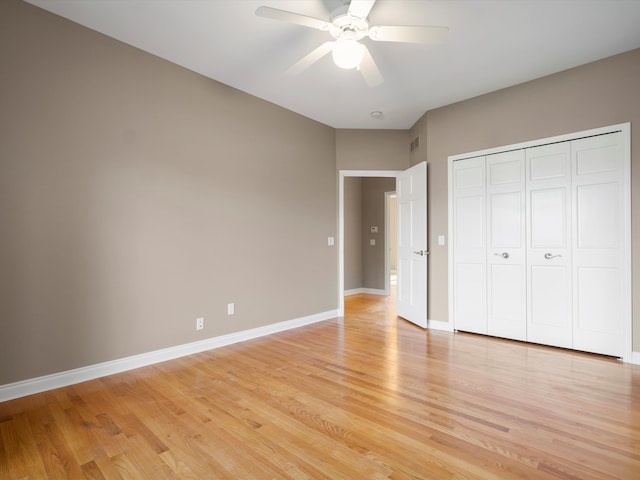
(469, 245)
(411, 289)
(598, 241)
(549, 301)
(506, 246)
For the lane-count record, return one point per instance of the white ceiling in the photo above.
(491, 45)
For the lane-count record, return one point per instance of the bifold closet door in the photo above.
(598, 241)
(469, 245)
(549, 292)
(506, 245)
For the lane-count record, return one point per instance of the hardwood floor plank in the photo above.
(368, 396)
(91, 471)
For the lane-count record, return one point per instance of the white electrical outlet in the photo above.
(231, 308)
(199, 323)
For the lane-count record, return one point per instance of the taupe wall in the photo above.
(136, 196)
(373, 212)
(598, 94)
(372, 149)
(353, 233)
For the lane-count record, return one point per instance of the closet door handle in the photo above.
(549, 256)
(503, 254)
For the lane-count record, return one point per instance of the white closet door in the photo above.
(598, 240)
(506, 246)
(469, 245)
(549, 295)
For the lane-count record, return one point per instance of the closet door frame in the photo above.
(625, 130)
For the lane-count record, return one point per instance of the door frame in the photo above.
(342, 174)
(625, 129)
(387, 240)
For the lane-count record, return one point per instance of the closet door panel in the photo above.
(549, 224)
(598, 227)
(469, 246)
(470, 301)
(506, 274)
(549, 292)
(548, 306)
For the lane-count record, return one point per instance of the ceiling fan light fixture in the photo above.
(347, 53)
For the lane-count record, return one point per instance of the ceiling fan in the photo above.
(348, 25)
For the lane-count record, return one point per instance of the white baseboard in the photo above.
(439, 325)
(353, 291)
(635, 358)
(371, 291)
(374, 291)
(70, 377)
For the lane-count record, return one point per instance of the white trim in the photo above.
(625, 129)
(70, 377)
(370, 291)
(543, 141)
(451, 238)
(387, 242)
(627, 307)
(353, 291)
(341, 176)
(439, 325)
(374, 291)
(635, 358)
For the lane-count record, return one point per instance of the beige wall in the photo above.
(353, 233)
(372, 149)
(603, 93)
(136, 196)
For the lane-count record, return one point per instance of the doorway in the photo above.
(412, 286)
(341, 225)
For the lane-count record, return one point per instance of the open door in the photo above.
(411, 290)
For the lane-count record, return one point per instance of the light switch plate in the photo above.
(330, 241)
(440, 239)
(374, 229)
(372, 241)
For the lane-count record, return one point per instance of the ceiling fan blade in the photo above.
(310, 59)
(291, 17)
(369, 69)
(360, 8)
(409, 34)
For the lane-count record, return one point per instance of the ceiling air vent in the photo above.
(415, 143)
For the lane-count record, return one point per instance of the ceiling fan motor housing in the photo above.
(345, 24)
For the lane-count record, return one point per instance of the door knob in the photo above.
(503, 254)
(549, 256)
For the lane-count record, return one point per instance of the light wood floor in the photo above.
(370, 397)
